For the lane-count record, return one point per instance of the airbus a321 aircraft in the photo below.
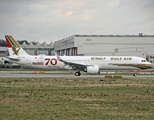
(88, 64)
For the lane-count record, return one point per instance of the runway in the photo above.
(30, 74)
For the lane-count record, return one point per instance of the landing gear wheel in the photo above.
(77, 74)
(134, 74)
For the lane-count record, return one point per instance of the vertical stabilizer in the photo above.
(13, 47)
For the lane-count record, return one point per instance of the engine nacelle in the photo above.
(93, 70)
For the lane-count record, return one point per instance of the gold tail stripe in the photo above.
(14, 41)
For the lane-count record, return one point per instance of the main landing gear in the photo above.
(134, 74)
(77, 74)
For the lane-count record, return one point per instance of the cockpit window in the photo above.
(144, 60)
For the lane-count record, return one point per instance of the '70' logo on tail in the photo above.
(53, 61)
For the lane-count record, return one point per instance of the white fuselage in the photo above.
(104, 62)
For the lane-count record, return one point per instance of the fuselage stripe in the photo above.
(144, 66)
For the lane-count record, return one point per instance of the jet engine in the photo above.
(92, 70)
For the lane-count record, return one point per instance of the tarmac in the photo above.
(56, 74)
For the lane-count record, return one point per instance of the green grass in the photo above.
(76, 98)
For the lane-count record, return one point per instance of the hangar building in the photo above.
(32, 48)
(97, 45)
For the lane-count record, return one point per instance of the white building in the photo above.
(32, 48)
(35, 48)
(97, 45)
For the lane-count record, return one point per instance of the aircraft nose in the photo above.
(150, 65)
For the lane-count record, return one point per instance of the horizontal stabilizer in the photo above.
(11, 58)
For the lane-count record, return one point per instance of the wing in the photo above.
(73, 65)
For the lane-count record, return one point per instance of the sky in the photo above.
(51, 20)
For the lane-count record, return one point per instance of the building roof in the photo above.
(140, 35)
(25, 43)
(73, 36)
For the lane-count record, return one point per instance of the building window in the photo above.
(88, 39)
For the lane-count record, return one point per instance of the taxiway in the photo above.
(30, 74)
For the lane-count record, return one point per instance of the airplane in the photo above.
(88, 64)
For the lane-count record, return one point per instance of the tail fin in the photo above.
(13, 47)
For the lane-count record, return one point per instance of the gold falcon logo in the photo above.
(14, 50)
